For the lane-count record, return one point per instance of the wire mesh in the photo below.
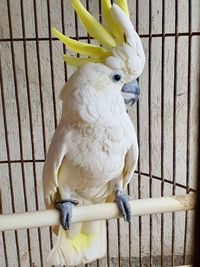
(31, 75)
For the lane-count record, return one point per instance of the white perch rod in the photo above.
(97, 212)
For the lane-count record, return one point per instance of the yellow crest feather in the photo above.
(78, 61)
(108, 38)
(93, 26)
(111, 24)
(124, 6)
(80, 47)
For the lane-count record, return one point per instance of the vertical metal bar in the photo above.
(51, 62)
(100, 12)
(188, 123)
(150, 123)
(1, 208)
(196, 256)
(88, 8)
(5, 249)
(108, 244)
(1, 211)
(9, 165)
(129, 237)
(139, 159)
(118, 242)
(63, 30)
(76, 25)
(174, 127)
(162, 126)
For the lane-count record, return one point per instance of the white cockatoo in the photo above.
(94, 151)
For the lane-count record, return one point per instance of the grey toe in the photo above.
(65, 209)
(123, 205)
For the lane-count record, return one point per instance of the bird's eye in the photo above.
(117, 77)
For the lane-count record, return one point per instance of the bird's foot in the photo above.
(123, 205)
(65, 209)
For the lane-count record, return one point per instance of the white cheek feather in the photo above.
(102, 83)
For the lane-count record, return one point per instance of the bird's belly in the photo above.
(92, 172)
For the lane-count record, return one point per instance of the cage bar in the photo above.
(147, 15)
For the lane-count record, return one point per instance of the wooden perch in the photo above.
(97, 212)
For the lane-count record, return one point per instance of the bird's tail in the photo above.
(88, 245)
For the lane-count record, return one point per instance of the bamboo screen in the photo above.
(31, 76)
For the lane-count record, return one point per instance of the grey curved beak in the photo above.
(131, 92)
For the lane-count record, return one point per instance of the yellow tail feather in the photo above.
(84, 248)
(82, 241)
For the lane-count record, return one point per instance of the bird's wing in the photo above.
(55, 155)
(130, 164)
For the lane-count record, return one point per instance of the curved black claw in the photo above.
(123, 205)
(65, 208)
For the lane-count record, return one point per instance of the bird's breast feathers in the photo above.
(97, 152)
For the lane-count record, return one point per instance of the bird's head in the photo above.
(121, 50)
